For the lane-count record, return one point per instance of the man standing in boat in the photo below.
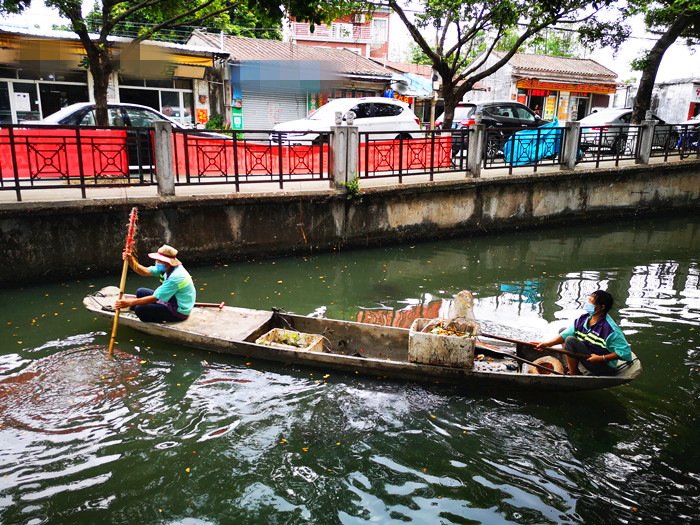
(173, 300)
(594, 334)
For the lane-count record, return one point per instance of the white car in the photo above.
(372, 115)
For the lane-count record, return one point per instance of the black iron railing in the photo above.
(517, 147)
(388, 154)
(250, 156)
(46, 157)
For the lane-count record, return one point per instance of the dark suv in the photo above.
(502, 120)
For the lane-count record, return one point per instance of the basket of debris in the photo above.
(291, 340)
(439, 346)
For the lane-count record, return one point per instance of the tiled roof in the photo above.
(343, 61)
(416, 69)
(578, 67)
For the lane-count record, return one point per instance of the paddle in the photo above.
(211, 305)
(518, 358)
(550, 348)
(128, 247)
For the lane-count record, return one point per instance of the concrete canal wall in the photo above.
(52, 241)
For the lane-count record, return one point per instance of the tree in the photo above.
(464, 26)
(671, 19)
(13, 6)
(242, 22)
(168, 14)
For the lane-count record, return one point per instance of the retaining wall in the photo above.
(42, 241)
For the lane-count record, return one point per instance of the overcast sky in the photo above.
(679, 61)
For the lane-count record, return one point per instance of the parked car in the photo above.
(502, 120)
(372, 114)
(139, 144)
(609, 129)
(83, 114)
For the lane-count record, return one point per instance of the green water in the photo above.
(164, 434)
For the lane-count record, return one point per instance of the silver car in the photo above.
(610, 129)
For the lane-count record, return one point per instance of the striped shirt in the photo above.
(602, 338)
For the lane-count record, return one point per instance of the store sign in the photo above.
(403, 98)
(538, 92)
(560, 86)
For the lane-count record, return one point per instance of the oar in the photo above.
(518, 358)
(211, 305)
(550, 348)
(127, 251)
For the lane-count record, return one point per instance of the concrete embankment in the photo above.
(52, 241)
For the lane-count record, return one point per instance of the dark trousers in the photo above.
(156, 312)
(599, 369)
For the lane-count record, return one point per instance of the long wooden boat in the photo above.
(353, 347)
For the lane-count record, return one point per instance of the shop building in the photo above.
(271, 81)
(550, 85)
(44, 71)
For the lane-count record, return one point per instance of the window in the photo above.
(524, 114)
(362, 111)
(626, 118)
(142, 118)
(113, 114)
(387, 110)
(503, 111)
(379, 29)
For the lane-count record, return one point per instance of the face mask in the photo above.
(160, 267)
(590, 308)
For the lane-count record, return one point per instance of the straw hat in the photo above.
(166, 254)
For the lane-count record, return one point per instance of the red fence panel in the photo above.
(53, 153)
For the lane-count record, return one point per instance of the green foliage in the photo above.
(466, 31)
(352, 187)
(13, 6)
(418, 56)
(216, 121)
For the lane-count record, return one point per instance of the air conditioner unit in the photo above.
(359, 19)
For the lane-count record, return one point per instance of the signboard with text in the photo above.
(560, 86)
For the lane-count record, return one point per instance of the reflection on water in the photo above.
(167, 434)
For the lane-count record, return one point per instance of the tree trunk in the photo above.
(101, 68)
(642, 102)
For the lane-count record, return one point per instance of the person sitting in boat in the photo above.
(173, 300)
(595, 334)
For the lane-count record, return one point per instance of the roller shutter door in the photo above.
(263, 110)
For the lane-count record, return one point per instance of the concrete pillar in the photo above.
(570, 144)
(645, 141)
(352, 165)
(475, 154)
(339, 155)
(165, 169)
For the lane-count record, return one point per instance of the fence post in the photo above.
(475, 149)
(572, 135)
(339, 153)
(647, 139)
(165, 170)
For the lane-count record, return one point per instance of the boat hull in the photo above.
(350, 347)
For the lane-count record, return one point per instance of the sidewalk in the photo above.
(70, 193)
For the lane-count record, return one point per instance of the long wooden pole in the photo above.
(550, 348)
(122, 284)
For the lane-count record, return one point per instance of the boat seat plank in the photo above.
(229, 323)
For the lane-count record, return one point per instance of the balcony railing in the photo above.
(339, 32)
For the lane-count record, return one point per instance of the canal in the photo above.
(165, 434)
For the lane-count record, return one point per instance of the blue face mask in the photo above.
(161, 267)
(590, 308)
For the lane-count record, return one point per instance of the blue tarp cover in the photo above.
(532, 145)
